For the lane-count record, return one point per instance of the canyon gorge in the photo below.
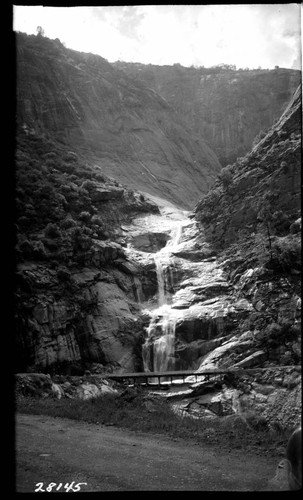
(158, 225)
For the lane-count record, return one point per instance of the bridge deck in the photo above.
(146, 376)
(185, 373)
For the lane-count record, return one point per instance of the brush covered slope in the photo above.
(228, 107)
(252, 216)
(76, 297)
(87, 103)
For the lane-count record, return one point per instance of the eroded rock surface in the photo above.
(227, 106)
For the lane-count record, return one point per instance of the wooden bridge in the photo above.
(148, 378)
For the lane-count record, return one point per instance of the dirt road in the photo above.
(56, 450)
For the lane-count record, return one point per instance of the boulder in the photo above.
(87, 391)
(57, 391)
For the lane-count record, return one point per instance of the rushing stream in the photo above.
(158, 349)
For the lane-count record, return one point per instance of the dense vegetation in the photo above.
(64, 205)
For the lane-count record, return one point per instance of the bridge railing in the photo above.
(148, 378)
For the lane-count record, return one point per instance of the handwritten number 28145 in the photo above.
(56, 487)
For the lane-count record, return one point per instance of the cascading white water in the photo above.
(160, 280)
(164, 346)
(158, 349)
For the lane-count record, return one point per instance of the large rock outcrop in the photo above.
(252, 217)
(266, 180)
(228, 107)
(76, 290)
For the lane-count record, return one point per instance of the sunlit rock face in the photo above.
(252, 216)
(271, 170)
(127, 129)
(193, 310)
(228, 107)
(95, 320)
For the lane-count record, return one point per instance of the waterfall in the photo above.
(164, 346)
(158, 349)
(160, 280)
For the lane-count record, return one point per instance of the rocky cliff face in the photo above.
(253, 216)
(262, 187)
(229, 108)
(129, 130)
(76, 295)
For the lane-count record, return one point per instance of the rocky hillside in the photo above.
(227, 107)
(89, 268)
(253, 216)
(261, 189)
(129, 130)
(71, 262)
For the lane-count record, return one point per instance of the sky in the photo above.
(244, 35)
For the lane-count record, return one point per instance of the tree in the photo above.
(226, 175)
(40, 31)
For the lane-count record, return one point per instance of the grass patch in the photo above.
(137, 411)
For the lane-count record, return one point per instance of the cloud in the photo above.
(247, 35)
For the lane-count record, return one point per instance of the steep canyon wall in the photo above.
(129, 130)
(227, 107)
(89, 135)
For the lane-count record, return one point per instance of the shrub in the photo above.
(70, 156)
(287, 251)
(280, 222)
(45, 192)
(97, 220)
(39, 249)
(67, 168)
(213, 197)
(89, 185)
(51, 244)
(85, 216)
(52, 231)
(80, 240)
(68, 222)
(26, 248)
(50, 163)
(50, 154)
(226, 175)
